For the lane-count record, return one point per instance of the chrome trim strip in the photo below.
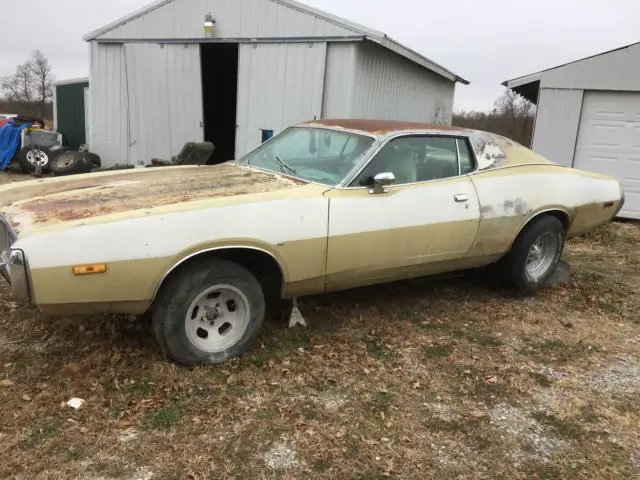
(11, 234)
(458, 152)
(533, 217)
(19, 274)
(216, 249)
(622, 202)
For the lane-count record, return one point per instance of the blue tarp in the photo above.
(9, 142)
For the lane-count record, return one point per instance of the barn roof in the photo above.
(363, 33)
(528, 85)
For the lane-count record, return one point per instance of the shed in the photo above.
(70, 111)
(589, 116)
(226, 71)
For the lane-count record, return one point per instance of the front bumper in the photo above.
(13, 264)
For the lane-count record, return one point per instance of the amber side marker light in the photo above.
(92, 269)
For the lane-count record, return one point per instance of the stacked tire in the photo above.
(73, 163)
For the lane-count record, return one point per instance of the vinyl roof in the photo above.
(367, 33)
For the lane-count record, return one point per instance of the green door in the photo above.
(70, 113)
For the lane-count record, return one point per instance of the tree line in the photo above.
(29, 91)
(513, 116)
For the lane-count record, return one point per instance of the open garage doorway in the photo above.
(220, 97)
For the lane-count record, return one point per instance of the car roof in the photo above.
(384, 127)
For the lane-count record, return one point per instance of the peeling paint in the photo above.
(83, 198)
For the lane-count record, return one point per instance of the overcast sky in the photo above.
(484, 41)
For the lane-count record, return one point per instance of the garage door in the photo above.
(278, 85)
(609, 141)
(165, 99)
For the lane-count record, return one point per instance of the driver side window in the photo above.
(413, 159)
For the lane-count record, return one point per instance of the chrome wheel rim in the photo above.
(37, 157)
(542, 255)
(218, 318)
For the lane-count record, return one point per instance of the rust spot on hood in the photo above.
(50, 202)
(381, 127)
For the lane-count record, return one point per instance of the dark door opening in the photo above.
(220, 97)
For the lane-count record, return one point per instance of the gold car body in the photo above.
(144, 223)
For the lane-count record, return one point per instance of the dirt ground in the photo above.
(425, 379)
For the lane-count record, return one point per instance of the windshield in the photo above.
(313, 154)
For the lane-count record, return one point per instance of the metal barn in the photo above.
(227, 70)
(589, 116)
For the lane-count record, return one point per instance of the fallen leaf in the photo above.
(6, 383)
(26, 398)
(491, 380)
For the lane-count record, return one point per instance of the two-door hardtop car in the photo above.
(323, 206)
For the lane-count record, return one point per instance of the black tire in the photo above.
(513, 267)
(26, 154)
(57, 150)
(185, 287)
(70, 163)
(94, 159)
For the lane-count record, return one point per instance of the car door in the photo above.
(426, 222)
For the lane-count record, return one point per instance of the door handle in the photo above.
(461, 198)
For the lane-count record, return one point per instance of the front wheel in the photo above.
(535, 254)
(208, 313)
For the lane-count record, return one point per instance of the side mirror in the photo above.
(381, 181)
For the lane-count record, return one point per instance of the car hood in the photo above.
(48, 202)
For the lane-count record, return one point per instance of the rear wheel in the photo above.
(208, 313)
(535, 254)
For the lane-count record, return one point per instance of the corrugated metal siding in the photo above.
(146, 101)
(391, 87)
(234, 19)
(557, 123)
(618, 70)
(165, 99)
(339, 80)
(278, 85)
(108, 133)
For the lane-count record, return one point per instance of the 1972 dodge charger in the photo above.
(323, 206)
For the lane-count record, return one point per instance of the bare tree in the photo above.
(42, 77)
(513, 116)
(30, 88)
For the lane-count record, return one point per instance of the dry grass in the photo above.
(423, 379)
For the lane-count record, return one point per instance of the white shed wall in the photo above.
(165, 99)
(146, 101)
(108, 131)
(557, 124)
(234, 19)
(618, 70)
(340, 80)
(278, 85)
(391, 87)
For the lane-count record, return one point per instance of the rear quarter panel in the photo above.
(510, 197)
